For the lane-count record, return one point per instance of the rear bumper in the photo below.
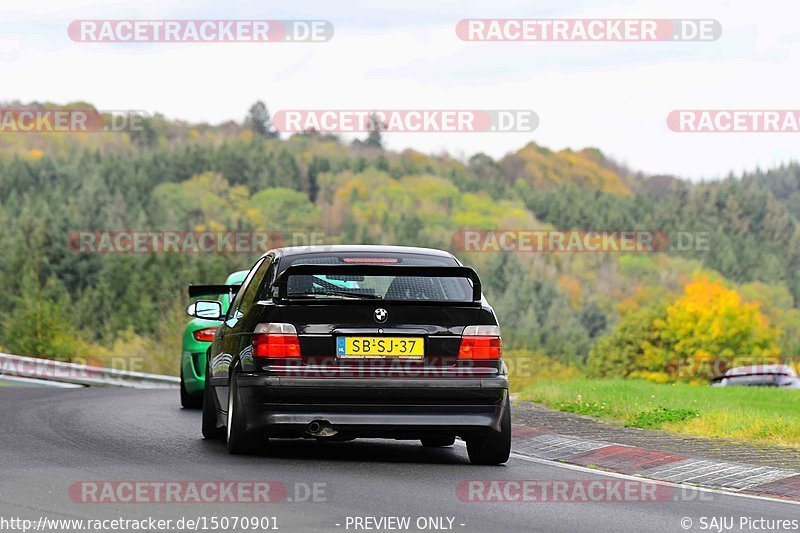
(193, 367)
(383, 407)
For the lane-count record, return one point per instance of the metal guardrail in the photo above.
(59, 371)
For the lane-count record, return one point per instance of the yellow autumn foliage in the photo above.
(544, 168)
(710, 327)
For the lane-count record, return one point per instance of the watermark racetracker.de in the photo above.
(196, 491)
(578, 241)
(777, 369)
(405, 120)
(734, 120)
(588, 30)
(34, 120)
(573, 491)
(199, 31)
(79, 368)
(186, 242)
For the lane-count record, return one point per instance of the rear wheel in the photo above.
(210, 429)
(492, 448)
(438, 441)
(189, 401)
(239, 442)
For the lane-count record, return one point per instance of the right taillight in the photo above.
(275, 339)
(481, 343)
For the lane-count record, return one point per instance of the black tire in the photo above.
(240, 442)
(492, 448)
(189, 401)
(210, 429)
(438, 441)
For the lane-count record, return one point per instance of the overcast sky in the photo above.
(405, 54)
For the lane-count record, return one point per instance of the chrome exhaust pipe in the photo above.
(321, 428)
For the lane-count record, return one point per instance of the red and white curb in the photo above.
(657, 465)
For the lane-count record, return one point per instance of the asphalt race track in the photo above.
(51, 439)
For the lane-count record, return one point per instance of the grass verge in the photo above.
(757, 415)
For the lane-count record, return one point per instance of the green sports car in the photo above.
(197, 338)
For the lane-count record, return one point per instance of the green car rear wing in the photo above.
(197, 291)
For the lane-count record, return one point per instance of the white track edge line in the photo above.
(578, 468)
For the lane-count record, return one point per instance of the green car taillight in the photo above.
(204, 335)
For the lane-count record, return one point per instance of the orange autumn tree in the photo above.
(710, 328)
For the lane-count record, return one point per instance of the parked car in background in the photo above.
(197, 338)
(759, 376)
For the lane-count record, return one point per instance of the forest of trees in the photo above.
(678, 314)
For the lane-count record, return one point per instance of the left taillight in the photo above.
(275, 339)
(481, 343)
(204, 335)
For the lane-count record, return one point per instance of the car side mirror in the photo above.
(206, 309)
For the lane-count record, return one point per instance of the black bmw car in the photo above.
(340, 342)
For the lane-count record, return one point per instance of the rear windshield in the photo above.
(393, 288)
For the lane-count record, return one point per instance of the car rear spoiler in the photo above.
(196, 291)
(381, 270)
